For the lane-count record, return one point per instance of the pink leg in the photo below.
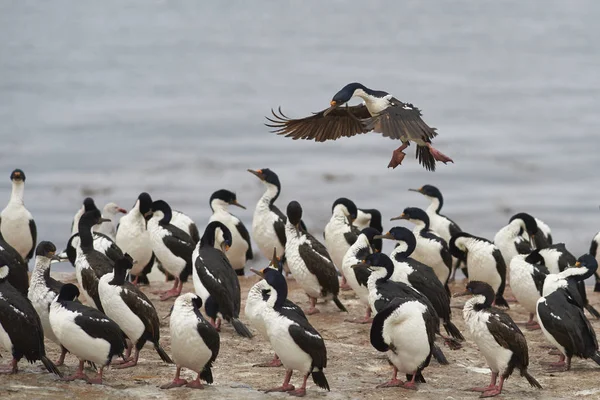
(131, 363)
(394, 382)
(286, 387)
(177, 382)
(302, 391)
(491, 385)
(98, 379)
(78, 375)
(195, 384)
(397, 156)
(344, 285)
(412, 385)
(127, 357)
(313, 306)
(135, 281)
(494, 391)
(12, 368)
(61, 359)
(275, 362)
(438, 155)
(175, 283)
(563, 364)
(366, 320)
(174, 292)
(531, 324)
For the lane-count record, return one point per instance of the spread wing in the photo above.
(402, 121)
(341, 122)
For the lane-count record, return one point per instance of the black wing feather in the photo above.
(246, 236)
(33, 230)
(319, 263)
(226, 293)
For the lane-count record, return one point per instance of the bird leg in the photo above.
(302, 391)
(135, 281)
(275, 362)
(286, 387)
(127, 356)
(438, 155)
(394, 382)
(162, 292)
(452, 343)
(491, 386)
(397, 156)
(344, 285)
(132, 362)
(412, 385)
(78, 375)
(495, 391)
(195, 384)
(174, 292)
(563, 364)
(98, 379)
(11, 368)
(313, 306)
(61, 359)
(177, 382)
(532, 325)
(366, 320)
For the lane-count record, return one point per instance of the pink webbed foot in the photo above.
(170, 294)
(131, 363)
(438, 155)
(312, 311)
(533, 326)
(491, 393)
(559, 366)
(275, 362)
(175, 383)
(481, 389)
(397, 158)
(195, 384)
(298, 392)
(284, 388)
(95, 381)
(76, 376)
(392, 383)
(410, 386)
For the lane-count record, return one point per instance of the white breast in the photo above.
(117, 310)
(173, 264)
(263, 231)
(522, 284)
(15, 229)
(542, 302)
(237, 252)
(255, 309)
(482, 264)
(133, 238)
(40, 298)
(335, 242)
(428, 253)
(199, 287)
(187, 346)
(348, 261)
(303, 276)
(291, 355)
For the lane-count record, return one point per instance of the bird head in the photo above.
(17, 175)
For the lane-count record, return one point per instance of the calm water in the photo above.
(113, 98)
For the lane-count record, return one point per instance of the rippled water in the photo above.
(112, 98)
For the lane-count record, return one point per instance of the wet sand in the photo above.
(354, 367)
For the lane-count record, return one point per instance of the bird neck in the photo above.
(219, 206)
(86, 239)
(402, 251)
(435, 206)
(374, 104)
(271, 194)
(575, 273)
(119, 275)
(420, 226)
(42, 265)
(210, 236)
(18, 191)
(480, 301)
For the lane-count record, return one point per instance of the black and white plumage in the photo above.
(44, 289)
(17, 226)
(431, 249)
(101, 242)
(562, 319)
(441, 225)
(528, 276)
(85, 332)
(133, 237)
(241, 248)
(129, 307)
(381, 112)
(309, 261)
(339, 233)
(557, 258)
(110, 212)
(292, 337)
(215, 281)
(358, 276)
(172, 247)
(420, 276)
(511, 240)
(18, 275)
(499, 339)
(368, 218)
(186, 224)
(543, 237)
(394, 330)
(194, 342)
(595, 253)
(90, 264)
(21, 331)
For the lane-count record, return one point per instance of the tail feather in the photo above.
(206, 374)
(532, 381)
(50, 366)
(339, 304)
(596, 357)
(592, 311)
(425, 158)
(501, 301)
(162, 353)
(319, 379)
(439, 356)
(453, 331)
(240, 328)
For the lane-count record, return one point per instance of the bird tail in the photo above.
(319, 379)
(439, 356)
(50, 366)
(206, 374)
(453, 331)
(162, 353)
(501, 301)
(596, 357)
(339, 304)
(419, 378)
(240, 328)
(597, 285)
(592, 311)
(532, 381)
(426, 158)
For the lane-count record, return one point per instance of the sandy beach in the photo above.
(354, 367)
